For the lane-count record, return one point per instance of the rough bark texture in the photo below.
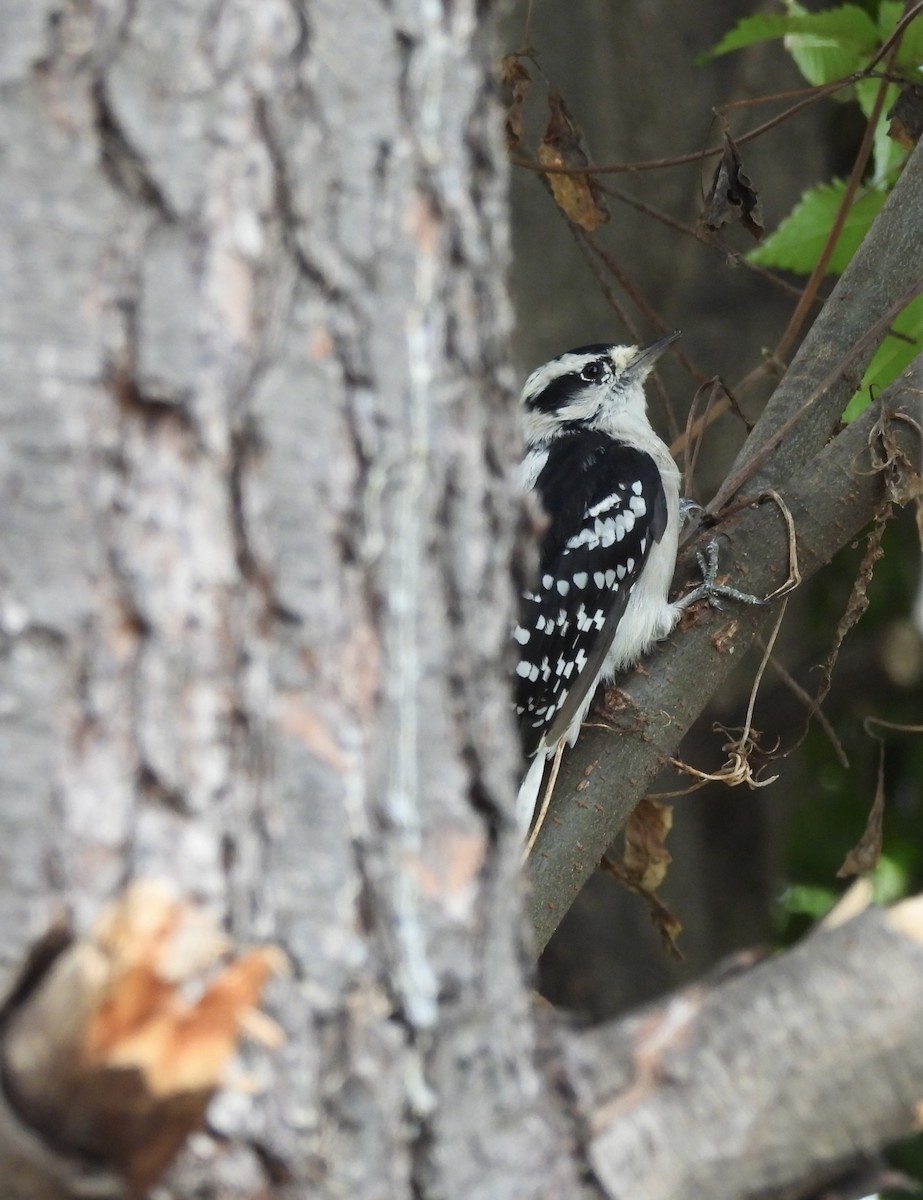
(769, 1084)
(255, 586)
(255, 426)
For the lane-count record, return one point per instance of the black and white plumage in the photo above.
(610, 490)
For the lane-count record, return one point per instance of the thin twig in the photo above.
(817, 275)
(896, 35)
(813, 707)
(617, 306)
(739, 260)
(691, 456)
(767, 653)
(794, 571)
(590, 245)
(679, 160)
(737, 769)
(735, 482)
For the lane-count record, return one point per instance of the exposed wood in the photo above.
(112, 1044)
(767, 1083)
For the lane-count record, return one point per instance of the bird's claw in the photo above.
(709, 589)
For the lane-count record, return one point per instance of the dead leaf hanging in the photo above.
(644, 865)
(731, 197)
(577, 196)
(515, 81)
(906, 117)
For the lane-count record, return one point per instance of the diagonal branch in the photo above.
(831, 499)
(830, 362)
(833, 492)
(767, 1083)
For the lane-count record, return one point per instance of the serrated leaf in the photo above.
(747, 32)
(910, 51)
(891, 357)
(826, 45)
(830, 44)
(799, 239)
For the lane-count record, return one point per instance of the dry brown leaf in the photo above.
(855, 608)
(906, 117)
(864, 856)
(515, 82)
(903, 476)
(731, 197)
(646, 856)
(577, 196)
(644, 865)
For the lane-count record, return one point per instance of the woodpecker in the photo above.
(611, 493)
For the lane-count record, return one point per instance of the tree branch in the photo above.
(831, 499)
(828, 367)
(768, 1084)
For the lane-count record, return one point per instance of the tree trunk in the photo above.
(254, 601)
(256, 584)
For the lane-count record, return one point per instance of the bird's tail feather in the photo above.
(527, 799)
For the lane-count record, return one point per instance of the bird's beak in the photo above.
(643, 362)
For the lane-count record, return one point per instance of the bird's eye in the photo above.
(595, 371)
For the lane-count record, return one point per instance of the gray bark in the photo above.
(771, 1083)
(255, 587)
(256, 422)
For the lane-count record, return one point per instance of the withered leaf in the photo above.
(864, 856)
(906, 117)
(577, 196)
(646, 856)
(731, 197)
(644, 865)
(515, 81)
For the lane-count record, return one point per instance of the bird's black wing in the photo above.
(608, 509)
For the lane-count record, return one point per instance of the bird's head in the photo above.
(592, 387)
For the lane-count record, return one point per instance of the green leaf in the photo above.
(887, 153)
(747, 32)
(891, 357)
(910, 52)
(889, 13)
(803, 899)
(891, 880)
(825, 45)
(798, 241)
(830, 44)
